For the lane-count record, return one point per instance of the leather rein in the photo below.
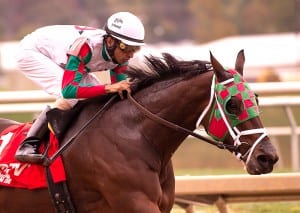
(178, 128)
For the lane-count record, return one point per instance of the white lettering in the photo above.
(15, 169)
(5, 140)
(5, 178)
(18, 169)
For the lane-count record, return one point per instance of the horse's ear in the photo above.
(240, 61)
(219, 70)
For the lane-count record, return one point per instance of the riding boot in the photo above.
(28, 150)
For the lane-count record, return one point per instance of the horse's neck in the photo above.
(181, 104)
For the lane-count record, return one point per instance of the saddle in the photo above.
(61, 120)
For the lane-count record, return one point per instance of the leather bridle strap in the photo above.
(171, 125)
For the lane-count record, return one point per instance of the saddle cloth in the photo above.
(24, 175)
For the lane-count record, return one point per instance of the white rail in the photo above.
(27, 96)
(276, 88)
(223, 189)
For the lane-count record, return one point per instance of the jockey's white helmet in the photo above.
(126, 27)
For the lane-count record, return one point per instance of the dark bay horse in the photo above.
(121, 162)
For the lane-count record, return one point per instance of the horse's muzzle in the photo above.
(263, 160)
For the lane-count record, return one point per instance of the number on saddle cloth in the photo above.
(24, 175)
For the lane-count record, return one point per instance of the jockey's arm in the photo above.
(118, 80)
(73, 74)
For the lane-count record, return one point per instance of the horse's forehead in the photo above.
(236, 86)
(239, 88)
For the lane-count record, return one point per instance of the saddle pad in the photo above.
(24, 175)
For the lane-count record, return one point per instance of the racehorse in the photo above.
(121, 161)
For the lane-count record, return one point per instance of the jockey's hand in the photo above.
(118, 87)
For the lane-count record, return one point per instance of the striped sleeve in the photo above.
(117, 74)
(73, 74)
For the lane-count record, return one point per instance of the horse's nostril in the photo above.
(267, 160)
(263, 159)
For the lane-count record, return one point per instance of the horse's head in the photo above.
(235, 121)
(231, 116)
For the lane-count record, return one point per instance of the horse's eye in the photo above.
(233, 106)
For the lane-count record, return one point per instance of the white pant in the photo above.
(48, 75)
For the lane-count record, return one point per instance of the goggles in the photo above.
(127, 48)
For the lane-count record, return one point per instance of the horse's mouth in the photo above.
(262, 165)
(259, 171)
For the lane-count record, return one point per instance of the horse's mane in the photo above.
(165, 67)
(158, 69)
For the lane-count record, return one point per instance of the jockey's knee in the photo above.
(65, 104)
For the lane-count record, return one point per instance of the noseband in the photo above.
(234, 132)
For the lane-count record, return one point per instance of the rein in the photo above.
(50, 160)
(171, 125)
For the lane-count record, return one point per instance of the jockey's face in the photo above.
(122, 53)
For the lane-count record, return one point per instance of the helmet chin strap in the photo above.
(111, 50)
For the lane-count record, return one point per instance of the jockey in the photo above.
(61, 59)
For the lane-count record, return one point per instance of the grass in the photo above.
(20, 117)
(270, 207)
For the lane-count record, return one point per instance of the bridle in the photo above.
(234, 132)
